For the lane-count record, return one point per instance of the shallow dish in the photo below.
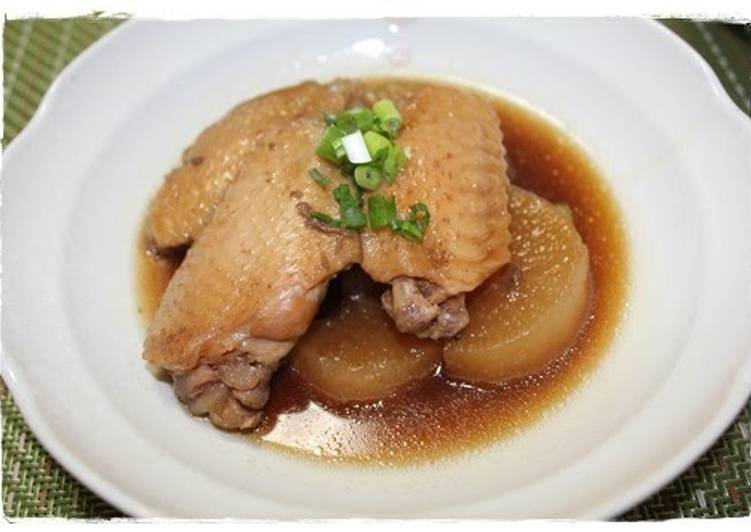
(652, 116)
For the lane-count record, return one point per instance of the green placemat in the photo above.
(34, 485)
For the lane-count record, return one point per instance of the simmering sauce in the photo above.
(436, 417)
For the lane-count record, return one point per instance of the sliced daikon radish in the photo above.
(525, 315)
(360, 356)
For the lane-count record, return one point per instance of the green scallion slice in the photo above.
(368, 177)
(420, 215)
(318, 177)
(409, 230)
(343, 196)
(364, 118)
(350, 213)
(413, 228)
(374, 158)
(358, 191)
(381, 211)
(378, 145)
(327, 148)
(345, 121)
(388, 115)
(339, 150)
(354, 218)
(325, 218)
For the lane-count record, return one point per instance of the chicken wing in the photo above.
(252, 282)
(457, 168)
(184, 204)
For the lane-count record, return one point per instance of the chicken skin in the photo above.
(186, 201)
(457, 168)
(252, 281)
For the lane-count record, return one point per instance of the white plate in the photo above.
(654, 118)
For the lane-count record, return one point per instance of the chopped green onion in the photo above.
(345, 121)
(354, 218)
(381, 211)
(357, 151)
(352, 120)
(348, 169)
(343, 196)
(318, 177)
(364, 118)
(368, 177)
(339, 149)
(350, 213)
(360, 142)
(378, 145)
(413, 228)
(394, 162)
(326, 148)
(409, 230)
(358, 193)
(387, 114)
(420, 214)
(325, 218)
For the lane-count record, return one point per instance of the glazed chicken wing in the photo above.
(184, 204)
(257, 270)
(457, 168)
(252, 282)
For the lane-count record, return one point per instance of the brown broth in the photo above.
(435, 417)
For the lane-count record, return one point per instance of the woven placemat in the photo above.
(34, 485)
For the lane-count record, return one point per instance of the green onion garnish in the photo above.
(358, 191)
(360, 142)
(350, 213)
(378, 145)
(331, 145)
(409, 230)
(387, 114)
(375, 128)
(318, 177)
(368, 177)
(325, 218)
(364, 118)
(354, 219)
(420, 214)
(381, 211)
(415, 226)
(345, 120)
(339, 150)
(356, 150)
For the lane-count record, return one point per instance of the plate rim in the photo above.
(734, 401)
